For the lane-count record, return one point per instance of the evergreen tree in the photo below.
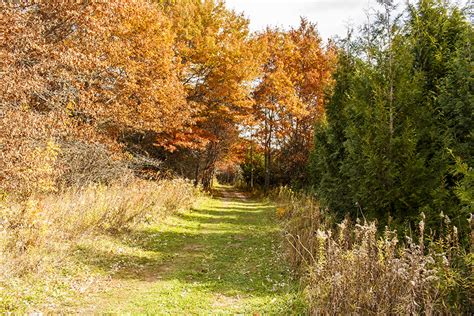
(402, 99)
(329, 153)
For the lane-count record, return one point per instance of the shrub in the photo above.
(352, 268)
(38, 155)
(84, 163)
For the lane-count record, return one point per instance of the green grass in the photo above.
(223, 257)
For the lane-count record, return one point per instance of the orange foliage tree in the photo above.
(289, 96)
(84, 70)
(218, 67)
(184, 75)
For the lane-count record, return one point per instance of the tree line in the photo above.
(378, 123)
(397, 136)
(171, 82)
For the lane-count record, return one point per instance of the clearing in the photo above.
(223, 257)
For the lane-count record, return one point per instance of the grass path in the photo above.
(223, 257)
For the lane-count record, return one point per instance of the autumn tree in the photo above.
(85, 70)
(314, 65)
(289, 97)
(217, 58)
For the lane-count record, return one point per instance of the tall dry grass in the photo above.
(354, 268)
(38, 234)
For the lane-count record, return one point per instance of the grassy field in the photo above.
(223, 257)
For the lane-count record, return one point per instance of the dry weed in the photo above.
(352, 268)
(33, 229)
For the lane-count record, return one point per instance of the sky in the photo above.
(331, 16)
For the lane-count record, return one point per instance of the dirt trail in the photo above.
(223, 257)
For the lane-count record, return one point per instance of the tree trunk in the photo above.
(268, 158)
(209, 167)
(207, 180)
(251, 166)
(196, 172)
